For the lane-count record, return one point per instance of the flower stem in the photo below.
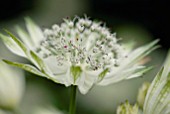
(72, 109)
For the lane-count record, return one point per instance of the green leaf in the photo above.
(26, 67)
(76, 72)
(103, 74)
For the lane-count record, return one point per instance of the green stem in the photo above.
(72, 109)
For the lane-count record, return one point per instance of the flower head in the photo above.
(157, 97)
(11, 86)
(78, 52)
(126, 108)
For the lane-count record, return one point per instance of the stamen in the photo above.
(70, 42)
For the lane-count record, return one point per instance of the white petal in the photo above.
(35, 32)
(25, 37)
(47, 110)
(12, 46)
(158, 95)
(52, 63)
(166, 66)
(141, 52)
(39, 62)
(64, 78)
(129, 67)
(11, 86)
(87, 80)
(121, 75)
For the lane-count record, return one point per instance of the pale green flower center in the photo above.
(82, 42)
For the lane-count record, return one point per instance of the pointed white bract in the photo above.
(126, 108)
(78, 52)
(142, 94)
(11, 86)
(156, 98)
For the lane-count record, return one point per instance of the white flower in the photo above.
(78, 52)
(142, 93)
(158, 96)
(3, 112)
(11, 86)
(157, 99)
(126, 108)
(46, 110)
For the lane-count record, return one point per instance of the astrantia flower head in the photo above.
(78, 52)
(156, 97)
(126, 108)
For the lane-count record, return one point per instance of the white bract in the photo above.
(3, 112)
(11, 86)
(126, 108)
(157, 99)
(46, 110)
(78, 52)
(142, 93)
(158, 96)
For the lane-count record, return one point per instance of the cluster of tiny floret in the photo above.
(82, 42)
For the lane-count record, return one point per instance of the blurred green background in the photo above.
(140, 21)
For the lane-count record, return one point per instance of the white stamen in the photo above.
(82, 42)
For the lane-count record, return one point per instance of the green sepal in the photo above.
(11, 45)
(39, 61)
(17, 41)
(42, 67)
(103, 74)
(26, 67)
(76, 72)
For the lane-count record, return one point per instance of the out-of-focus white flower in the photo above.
(142, 94)
(78, 52)
(2, 112)
(157, 99)
(126, 108)
(11, 86)
(46, 110)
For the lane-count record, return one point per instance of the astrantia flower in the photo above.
(11, 87)
(126, 108)
(157, 99)
(78, 52)
(158, 96)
